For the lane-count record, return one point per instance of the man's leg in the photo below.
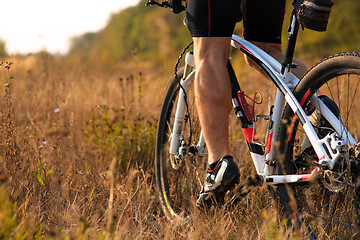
(213, 99)
(212, 91)
(211, 24)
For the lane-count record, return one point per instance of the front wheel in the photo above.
(178, 177)
(329, 206)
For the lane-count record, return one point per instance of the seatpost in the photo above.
(290, 46)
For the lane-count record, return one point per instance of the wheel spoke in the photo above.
(332, 197)
(178, 177)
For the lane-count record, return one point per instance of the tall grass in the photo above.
(77, 162)
(73, 149)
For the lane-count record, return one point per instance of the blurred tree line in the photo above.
(157, 34)
(2, 48)
(152, 33)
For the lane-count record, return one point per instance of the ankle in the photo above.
(215, 163)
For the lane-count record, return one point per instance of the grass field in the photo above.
(77, 157)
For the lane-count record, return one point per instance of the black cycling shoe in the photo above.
(221, 177)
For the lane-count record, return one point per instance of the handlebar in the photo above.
(151, 3)
(175, 5)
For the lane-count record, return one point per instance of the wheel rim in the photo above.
(179, 180)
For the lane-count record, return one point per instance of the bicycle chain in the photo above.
(347, 180)
(179, 59)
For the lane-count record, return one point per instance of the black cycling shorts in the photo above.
(262, 19)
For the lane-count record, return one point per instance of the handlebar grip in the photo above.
(175, 5)
(152, 3)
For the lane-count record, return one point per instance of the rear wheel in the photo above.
(329, 205)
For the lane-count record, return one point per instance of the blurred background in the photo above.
(112, 29)
(33, 26)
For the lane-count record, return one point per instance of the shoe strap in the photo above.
(214, 165)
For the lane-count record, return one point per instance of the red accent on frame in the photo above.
(242, 46)
(292, 127)
(269, 143)
(248, 133)
(305, 96)
(308, 176)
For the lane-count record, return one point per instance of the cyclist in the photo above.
(211, 24)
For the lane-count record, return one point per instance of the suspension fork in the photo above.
(181, 108)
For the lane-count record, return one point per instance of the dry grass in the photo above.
(76, 158)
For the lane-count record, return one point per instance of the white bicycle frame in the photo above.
(326, 149)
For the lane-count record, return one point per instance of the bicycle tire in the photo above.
(337, 77)
(177, 188)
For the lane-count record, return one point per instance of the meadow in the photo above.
(77, 135)
(77, 156)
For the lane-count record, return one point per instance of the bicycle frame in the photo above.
(326, 149)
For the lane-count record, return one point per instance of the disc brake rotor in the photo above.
(337, 178)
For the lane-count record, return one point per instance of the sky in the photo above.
(28, 26)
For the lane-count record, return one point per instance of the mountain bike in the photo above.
(310, 152)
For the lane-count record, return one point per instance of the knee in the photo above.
(211, 51)
(212, 57)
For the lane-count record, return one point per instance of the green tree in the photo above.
(159, 35)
